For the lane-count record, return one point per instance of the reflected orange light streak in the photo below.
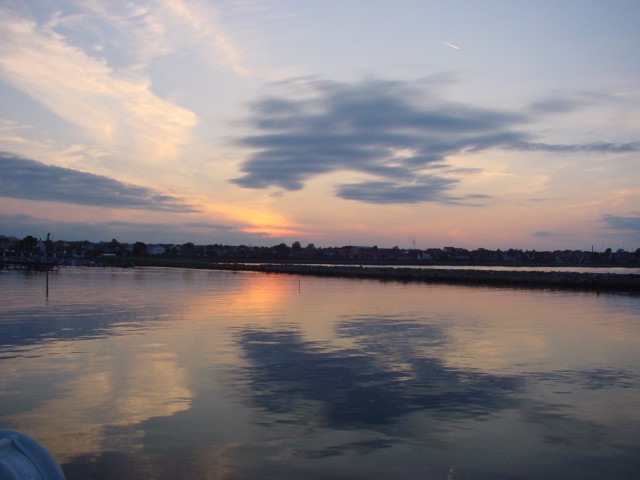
(262, 294)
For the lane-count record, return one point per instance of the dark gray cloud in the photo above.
(201, 233)
(431, 188)
(393, 131)
(558, 105)
(32, 180)
(427, 188)
(595, 147)
(550, 234)
(631, 224)
(209, 226)
(374, 127)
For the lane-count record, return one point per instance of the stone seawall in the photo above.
(555, 280)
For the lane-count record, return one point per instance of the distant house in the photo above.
(369, 254)
(41, 247)
(423, 256)
(156, 250)
(462, 254)
(512, 256)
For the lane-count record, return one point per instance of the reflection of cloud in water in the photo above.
(109, 395)
(593, 379)
(318, 410)
(361, 447)
(110, 304)
(489, 350)
(569, 401)
(37, 326)
(389, 373)
(204, 463)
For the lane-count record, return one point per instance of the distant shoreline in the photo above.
(557, 280)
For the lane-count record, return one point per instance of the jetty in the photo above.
(561, 280)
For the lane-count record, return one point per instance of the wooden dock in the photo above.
(29, 265)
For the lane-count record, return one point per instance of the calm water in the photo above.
(181, 374)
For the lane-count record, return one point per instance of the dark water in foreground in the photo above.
(180, 374)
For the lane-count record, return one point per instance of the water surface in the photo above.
(191, 374)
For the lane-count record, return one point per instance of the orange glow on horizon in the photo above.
(254, 221)
(269, 231)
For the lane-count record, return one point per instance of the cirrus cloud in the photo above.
(114, 106)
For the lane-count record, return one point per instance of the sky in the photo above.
(475, 124)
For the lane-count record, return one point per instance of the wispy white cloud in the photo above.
(202, 20)
(156, 28)
(115, 108)
(11, 132)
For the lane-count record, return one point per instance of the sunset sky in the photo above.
(468, 123)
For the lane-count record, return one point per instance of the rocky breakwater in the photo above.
(514, 278)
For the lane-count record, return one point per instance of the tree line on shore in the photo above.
(30, 247)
